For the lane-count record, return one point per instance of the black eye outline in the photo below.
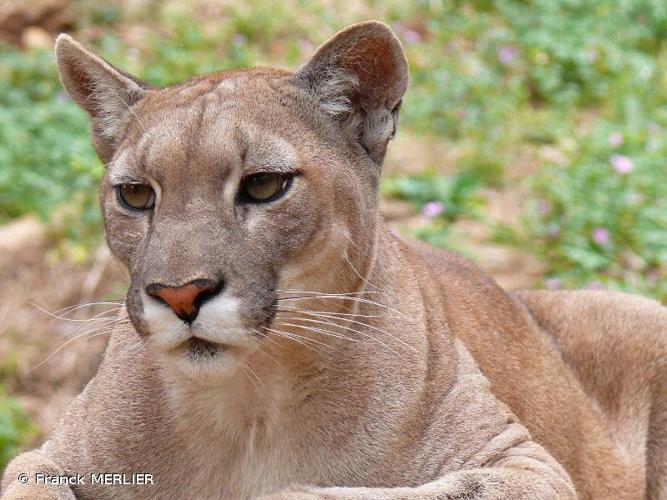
(125, 204)
(286, 183)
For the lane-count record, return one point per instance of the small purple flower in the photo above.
(239, 39)
(411, 36)
(507, 54)
(552, 283)
(553, 230)
(591, 55)
(305, 46)
(600, 235)
(622, 164)
(616, 139)
(543, 207)
(595, 285)
(433, 209)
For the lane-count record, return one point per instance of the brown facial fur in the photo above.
(335, 360)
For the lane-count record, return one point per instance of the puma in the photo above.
(282, 342)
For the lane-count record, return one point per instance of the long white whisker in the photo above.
(365, 281)
(243, 368)
(70, 309)
(340, 294)
(270, 357)
(301, 340)
(253, 373)
(332, 313)
(328, 333)
(69, 341)
(94, 318)
(360, 323)
(367, 335)
(358, 299)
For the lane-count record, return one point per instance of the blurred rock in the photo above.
(35, 37)
(18, 237)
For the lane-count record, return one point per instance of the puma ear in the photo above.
(359, 77)
(105, 92)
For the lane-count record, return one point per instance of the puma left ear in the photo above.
(106, 93)
(359, 77)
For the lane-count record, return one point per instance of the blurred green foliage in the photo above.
(15, 428)
(601, 220)
(583, 77)
(446, 197)
(45, 153)
(491, 79)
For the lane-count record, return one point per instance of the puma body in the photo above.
(294, 347)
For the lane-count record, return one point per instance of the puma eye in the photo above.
(264, 187)
(136, 196)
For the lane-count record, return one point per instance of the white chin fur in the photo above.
(218, 322)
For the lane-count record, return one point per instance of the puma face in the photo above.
(231, 213)
(228, 193)
(232, 207)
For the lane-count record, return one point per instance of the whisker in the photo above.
(63, 318)
(301, 340)
(243, 367)
(360, 323)
(265, 337)
(364, 280)
(296, 290)
(89, 334)
(358, 299)
(270, 357)
(367, 335)
(333, 313)
(256, 377)
(329, 333)
(69, 309)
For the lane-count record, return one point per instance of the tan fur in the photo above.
(350, 364)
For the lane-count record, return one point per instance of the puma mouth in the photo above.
(197, 348)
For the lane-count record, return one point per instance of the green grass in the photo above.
(15, 428)
(490, 79)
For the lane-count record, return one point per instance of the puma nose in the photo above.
(185, 300)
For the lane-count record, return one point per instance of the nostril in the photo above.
(185, 300)
(208, 291)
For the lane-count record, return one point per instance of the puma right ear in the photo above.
(106, 93)
(359, 77)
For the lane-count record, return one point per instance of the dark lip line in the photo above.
(200, 339)
(185, 344)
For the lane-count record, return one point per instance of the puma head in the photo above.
(225, 192)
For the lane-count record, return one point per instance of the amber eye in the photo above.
(264, 187)
(136, 196)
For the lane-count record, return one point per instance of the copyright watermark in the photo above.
(95, 478)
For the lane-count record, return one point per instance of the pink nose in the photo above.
(185, 300)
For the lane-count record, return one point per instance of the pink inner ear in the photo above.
(374, 62)
(83, 85)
